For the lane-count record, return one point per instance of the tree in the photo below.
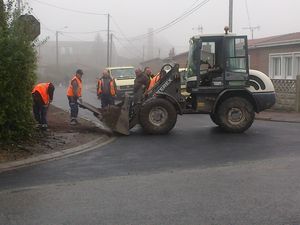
(17, 76)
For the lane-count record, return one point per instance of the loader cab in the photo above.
(217, 62)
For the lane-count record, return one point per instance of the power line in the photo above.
(129, 49)
(70, 10)
(250, 27)
(45, 27)
(122, 33)
(68, 35)
(248, 14)
(142, 36)
(84, 32)
(173, 22)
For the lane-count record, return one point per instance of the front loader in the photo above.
(219, 83)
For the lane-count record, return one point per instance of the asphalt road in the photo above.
(194, 175)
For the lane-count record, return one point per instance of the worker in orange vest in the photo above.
(153, 81)
(74, 94)
(42, 95)
(106, 89)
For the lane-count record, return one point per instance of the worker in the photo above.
(106, 89)
(42, 95)
(141, 83)
(155, 79)
(74, 95)
(148, 72)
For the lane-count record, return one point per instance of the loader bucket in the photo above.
(114, 117)
(117, 117)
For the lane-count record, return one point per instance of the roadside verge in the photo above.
(97, 143)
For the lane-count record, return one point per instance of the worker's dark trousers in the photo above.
(40, 112)
(74, 107)
(138, 95)
(107, 100)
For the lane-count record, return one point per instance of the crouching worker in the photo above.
(42, 95)
(106, 89)
(74, 95)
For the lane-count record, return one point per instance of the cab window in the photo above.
(236, 55)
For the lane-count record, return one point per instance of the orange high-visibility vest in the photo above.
(153, 81)
(42, 89)
(111, 87)
(70, 91)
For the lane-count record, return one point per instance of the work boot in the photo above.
(74, 121)
(44, 127)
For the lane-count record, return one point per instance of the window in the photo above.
(122, 73)
(285, 65)
(297, 65)
(276, 67)
(236, 55)
(66, 50)
(62, 50)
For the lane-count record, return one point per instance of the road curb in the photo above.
(97, 143)
(276, 120)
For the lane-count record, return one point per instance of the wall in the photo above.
(259, 57)
(287, 94)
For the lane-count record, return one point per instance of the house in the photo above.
(278, 56)
(157, 63)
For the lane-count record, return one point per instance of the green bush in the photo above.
(17, 77)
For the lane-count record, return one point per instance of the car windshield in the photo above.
(123, 73)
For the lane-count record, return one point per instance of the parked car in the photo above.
(124, 77)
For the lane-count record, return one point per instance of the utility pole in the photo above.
(19, 5)
(56, 47)
(252, 30)
(143, 53)
(110, 49)
(2, 15)
(108, 30)
(56, 43)
(230, 15)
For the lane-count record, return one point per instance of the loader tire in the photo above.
(236, 114)
(214, 117)
(158, 116)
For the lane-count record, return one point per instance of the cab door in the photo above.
(236, 61)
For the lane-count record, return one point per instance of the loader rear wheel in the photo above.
(236, 114)
(158, 116)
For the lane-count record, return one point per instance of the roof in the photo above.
(120, 67)
(284, 39)
(151, 60)
(215, 35)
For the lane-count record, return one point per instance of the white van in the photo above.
(124, 77)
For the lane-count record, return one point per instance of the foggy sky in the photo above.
(135, 17)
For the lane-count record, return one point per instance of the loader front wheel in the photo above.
(158, 116)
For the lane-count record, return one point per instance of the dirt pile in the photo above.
(60, 135)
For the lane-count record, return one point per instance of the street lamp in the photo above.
(56, 35)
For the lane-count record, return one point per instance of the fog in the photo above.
(78, 20)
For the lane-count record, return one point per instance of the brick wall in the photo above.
(259, 57)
